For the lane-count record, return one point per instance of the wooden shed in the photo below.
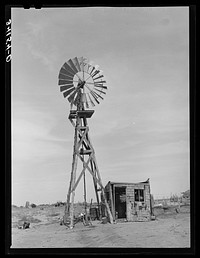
(129, 201)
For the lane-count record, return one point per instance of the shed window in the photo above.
(139, 195)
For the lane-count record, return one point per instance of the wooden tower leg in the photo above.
(103, 193)
(69, 208)
(97, 176)
(96, 191)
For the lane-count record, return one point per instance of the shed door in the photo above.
(120, 202)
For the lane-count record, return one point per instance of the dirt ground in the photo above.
(169, 230)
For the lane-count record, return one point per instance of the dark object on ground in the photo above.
(26, 225)
(104, 220)
(165, 208)
(33, 205)
(94, 213)
(81, 218)
(59, 204)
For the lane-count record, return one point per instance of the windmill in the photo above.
(83, 85)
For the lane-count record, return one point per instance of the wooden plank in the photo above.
(114, 198)
(70, 208)
(100, 183)
(126, 203)
(85, 113)
(86, 139)
(83, 137)
(81, 174)
(89, 169)
(111, 199)
(96, 191)
(74, 125)
(85, 152)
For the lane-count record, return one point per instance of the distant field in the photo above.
(170, 229)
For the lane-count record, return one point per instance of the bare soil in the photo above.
(169, 230)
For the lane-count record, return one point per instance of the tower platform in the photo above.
(81, 113)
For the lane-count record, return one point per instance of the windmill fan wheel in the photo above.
(81, 82)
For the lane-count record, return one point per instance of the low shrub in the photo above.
(53, 214)
(30, 219)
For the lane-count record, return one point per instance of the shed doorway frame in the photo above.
(120, 206)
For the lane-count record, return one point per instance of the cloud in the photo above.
(38, 46)
(32, 142)
(32, 139)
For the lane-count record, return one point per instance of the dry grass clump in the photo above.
(53, 214)
(29, 218)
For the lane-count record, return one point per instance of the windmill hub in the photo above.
(81, 84)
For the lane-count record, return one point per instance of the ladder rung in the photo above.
(85, 152)
(82, 127)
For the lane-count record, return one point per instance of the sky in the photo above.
(139, 131)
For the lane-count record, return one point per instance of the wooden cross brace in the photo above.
(85, 166)
(84, 139)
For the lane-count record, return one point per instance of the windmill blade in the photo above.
(89, 66)
(73, 67)
(100, 86)
(87, 106)
(66, 93)
(71, 97)
(68, 68)
(95, 73)
(100, 82)
(81, 62)
(76, 63)
(66, 87)
(92, 70)
(61, 82)
(65, 77)
(101, 76)
(66, 72)
(91, 100)
(75, 101)
(99, 91)
(93, 95)
(84, 63)
(97, 95)
(86, 68)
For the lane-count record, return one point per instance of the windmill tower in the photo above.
(83, 85)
